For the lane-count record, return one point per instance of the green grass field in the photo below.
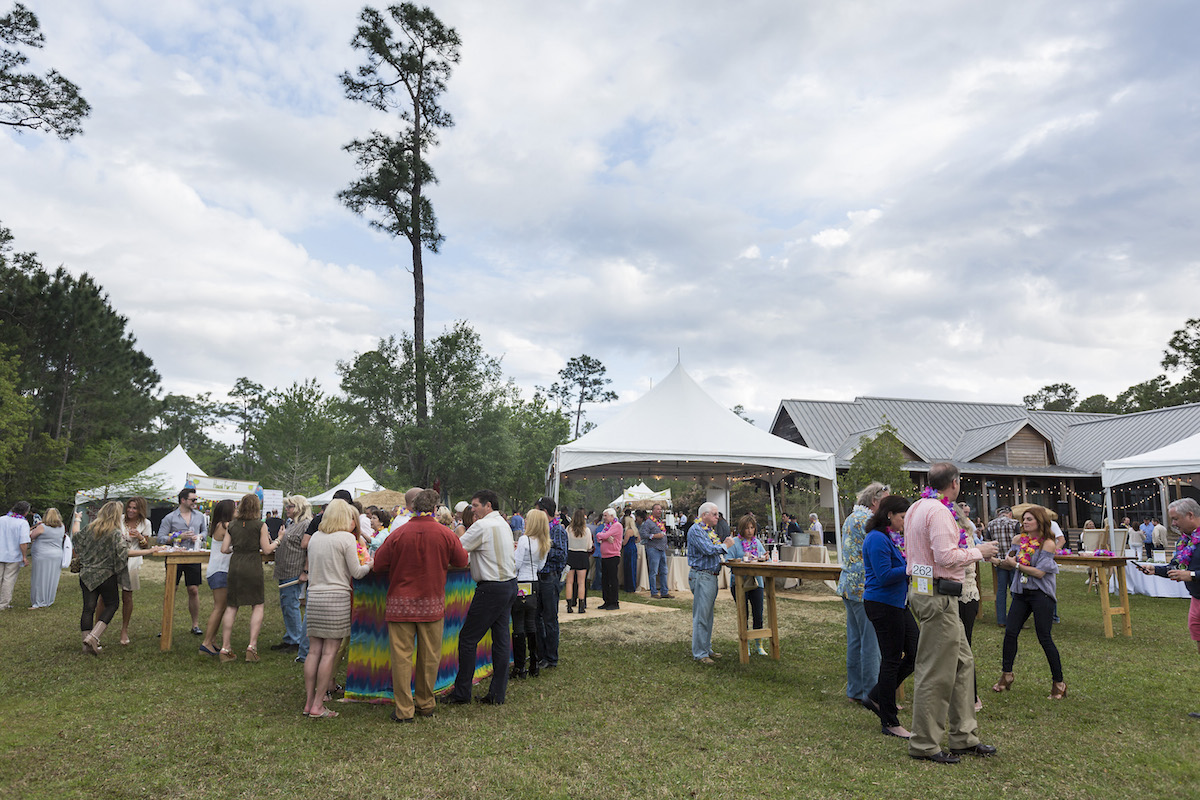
(627, 714)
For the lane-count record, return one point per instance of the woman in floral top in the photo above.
(103, 554)
(862, 648)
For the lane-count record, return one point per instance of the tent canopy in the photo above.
(1182, 457)
(162, 480)
(642, 496)
(676, 430)
(356, 483)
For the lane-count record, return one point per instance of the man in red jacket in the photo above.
(415, 558)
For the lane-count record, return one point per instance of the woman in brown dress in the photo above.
(246, 539)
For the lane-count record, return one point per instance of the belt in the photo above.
(510, 580)
(716, 571)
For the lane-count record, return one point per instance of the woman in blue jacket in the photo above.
(885, 601)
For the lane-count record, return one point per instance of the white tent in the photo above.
(356, 483)
(1179, 458)
(676, 430)
(642, 493)
(162, 480)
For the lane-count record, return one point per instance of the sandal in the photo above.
(252, 654)
(328, 713)
(1058, 690)
(226, 656)
(1006, 680)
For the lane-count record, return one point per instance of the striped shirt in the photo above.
(931, 538)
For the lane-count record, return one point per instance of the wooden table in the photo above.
(770, 570)
(1105, 564)
(172, 559)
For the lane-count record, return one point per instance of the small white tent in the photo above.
(162, 480)
(1178, 458)
(676, 430)
(642, 494)
(356, 483)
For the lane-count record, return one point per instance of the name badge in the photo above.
(922, 579)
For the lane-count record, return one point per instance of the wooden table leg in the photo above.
(772, 619)
(1124, 590)
(1105, 608)
(168, 616)
(739, 597)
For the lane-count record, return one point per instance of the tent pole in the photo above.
(1108, 503)
(1164, 496)
(774, 525)
(837, 518)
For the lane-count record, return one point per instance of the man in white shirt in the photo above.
(489, 544)
(14, 550)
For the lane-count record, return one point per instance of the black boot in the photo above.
(583, 604)
(518, 650)
(534, 670)
(570, 605)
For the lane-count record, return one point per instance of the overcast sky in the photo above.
(950, 200)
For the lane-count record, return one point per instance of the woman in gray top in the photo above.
(1033, 590)
(46, 552)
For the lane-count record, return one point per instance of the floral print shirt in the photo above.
(854, 574)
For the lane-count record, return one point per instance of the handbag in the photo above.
(68, 556)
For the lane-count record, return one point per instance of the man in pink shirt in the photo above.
(945, 670)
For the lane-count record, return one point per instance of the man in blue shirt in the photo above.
(549, 578)
(186, 527)
(705, 554)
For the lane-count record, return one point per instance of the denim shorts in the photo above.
(218, 580)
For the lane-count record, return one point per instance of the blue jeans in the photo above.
(704, 599)
(656, 571)
(294, 630)
(1003, 581)
(547, 618)
(862, 651)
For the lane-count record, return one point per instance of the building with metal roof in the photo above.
(1007, 454)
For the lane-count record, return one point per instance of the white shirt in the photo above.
(530, 559)
(490, 545)
(14, 532)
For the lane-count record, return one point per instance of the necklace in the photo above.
(1185, 549)
(1027, 546)
(897, 538)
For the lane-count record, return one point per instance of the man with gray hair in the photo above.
(944, 676)
(862, 648)
(705, 554)
(1184, 566)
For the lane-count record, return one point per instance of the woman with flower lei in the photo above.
(1184, 516)
(748, 547)
(885, 595)
(1033, 591)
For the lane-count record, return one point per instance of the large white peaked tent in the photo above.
(356, 483)
(676, 430)
(168, 475)
(1179, 458)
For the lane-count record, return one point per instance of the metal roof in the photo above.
(1089, 443)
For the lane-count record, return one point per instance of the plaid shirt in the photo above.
(1001, 530)
(289, 558)
(556, 559)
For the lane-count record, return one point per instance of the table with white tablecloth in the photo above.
(677, 573)
(1149, 585)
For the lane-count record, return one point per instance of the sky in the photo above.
(943, 199)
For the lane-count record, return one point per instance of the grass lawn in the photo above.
(627, 714)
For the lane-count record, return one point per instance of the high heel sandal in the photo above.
(251, 654)
(1006, 680)
(1058, 690)
(226, 656)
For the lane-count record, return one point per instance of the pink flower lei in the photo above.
(930, 493)
(1185, 549)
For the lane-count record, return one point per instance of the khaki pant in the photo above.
(428, 639)
(944, 678)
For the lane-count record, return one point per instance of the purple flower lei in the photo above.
(930, 493)
(898, 540)
(1185, 549)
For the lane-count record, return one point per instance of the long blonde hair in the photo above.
(108, 520)
(52, 519)
(537, 528)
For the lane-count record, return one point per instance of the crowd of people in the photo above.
(907, 584)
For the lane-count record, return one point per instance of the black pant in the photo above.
(547, 617)
(967, 612)
(106, 591)
(896, 632)
(1041, 605)
(490, 610)
(1149, 548)
(524, 612)
(610, 575)
(754, 599)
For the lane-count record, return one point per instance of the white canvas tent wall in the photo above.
(167, 475)
(676, 430)
(356, 483)
(1179, 458)
(642, 493)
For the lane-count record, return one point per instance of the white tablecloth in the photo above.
(1150, 585)
(677, 573)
